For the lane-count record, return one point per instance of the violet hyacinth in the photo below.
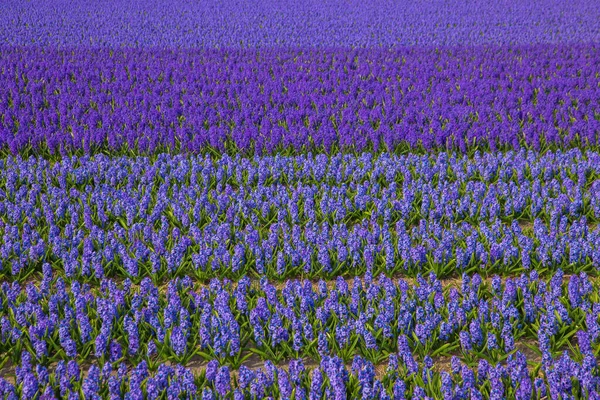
(222, 381)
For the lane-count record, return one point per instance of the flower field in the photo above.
(299, 200)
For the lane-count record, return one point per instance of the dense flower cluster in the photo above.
(266, 100)
(363, 323)
(284, 216)
(286, 23)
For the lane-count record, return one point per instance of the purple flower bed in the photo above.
(256, 101)
(313, 23)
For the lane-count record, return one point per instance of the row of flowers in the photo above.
(232, 322)
(274, 100)
(285, 216)
(561, 377)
